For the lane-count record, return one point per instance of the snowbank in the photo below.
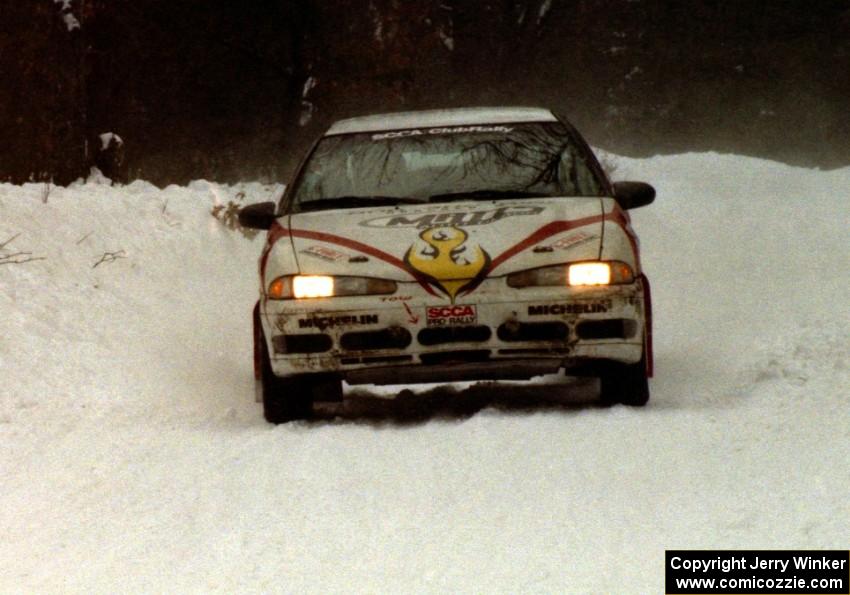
(132, 456)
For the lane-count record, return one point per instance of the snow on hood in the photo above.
(458, 240)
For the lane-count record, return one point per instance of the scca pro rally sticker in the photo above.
(450, 315)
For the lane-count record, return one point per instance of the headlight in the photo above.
(312, 286)
(589, 273)
(317, 286)
(574, 274)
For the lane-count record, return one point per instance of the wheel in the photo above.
(626, 384)
(284, 399)
(326, 388)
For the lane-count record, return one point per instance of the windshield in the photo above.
(486, 162)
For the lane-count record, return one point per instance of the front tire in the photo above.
(625, 383)
(284, 399)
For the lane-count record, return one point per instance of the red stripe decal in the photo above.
(621, 218)
(616, 216)
(352, 244)
(541, 234)
(347, 243)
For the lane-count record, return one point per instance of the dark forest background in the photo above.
(229, 90)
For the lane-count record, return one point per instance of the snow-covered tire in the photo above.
(326, 388)
(284, 399)
(625, 383)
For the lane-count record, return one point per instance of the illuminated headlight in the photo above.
(319, 286)
(574, 274)
(312, 286)
(589, 273)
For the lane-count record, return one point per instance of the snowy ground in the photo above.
(133, 458)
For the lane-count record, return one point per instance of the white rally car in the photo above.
(449, 245)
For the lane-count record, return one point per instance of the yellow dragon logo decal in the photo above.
(445, 260)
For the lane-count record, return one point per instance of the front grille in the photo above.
(455, 357)
(388, 338)
(454, 334)
(618, 328)
(544, 351)
(305, 343)
(375, 359)
(533, 331)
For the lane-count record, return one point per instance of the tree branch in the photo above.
(110, 257)
(19, 258)
(9, 241)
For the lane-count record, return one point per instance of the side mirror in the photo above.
(258, 215)
(632, 195)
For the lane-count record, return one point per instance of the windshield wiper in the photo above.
(484, 195)
(350, 202)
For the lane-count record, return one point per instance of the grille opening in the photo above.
(375, 359)
(618, 328)
(533, 331)
(466, 355)
(304, 343)
(388, 358)
(454, 334)
(536, 351)
(388, 338)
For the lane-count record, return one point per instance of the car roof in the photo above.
(466, 116)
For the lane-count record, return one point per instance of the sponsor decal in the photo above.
(445, 259)
(439, 130)
(450, 315)
(396, 298)
(597, 307)
(572, 241)
(453, 219)
(324, 322)
(553, 228)
(324, 252)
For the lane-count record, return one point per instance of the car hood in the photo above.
(457, 240)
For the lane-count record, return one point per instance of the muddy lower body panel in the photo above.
(405, 339)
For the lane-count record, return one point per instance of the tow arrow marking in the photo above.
(413, 317)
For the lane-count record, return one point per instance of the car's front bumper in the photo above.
(410, 337)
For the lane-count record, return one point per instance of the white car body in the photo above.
(453, 315)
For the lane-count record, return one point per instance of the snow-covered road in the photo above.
(133, 458)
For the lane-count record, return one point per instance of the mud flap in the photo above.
(647, 345)
(258, 354)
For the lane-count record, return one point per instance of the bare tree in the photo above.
(16, 257)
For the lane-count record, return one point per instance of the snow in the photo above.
(130, 445)
(636, 70)
(68, 18)
(70, 21)
(447, 39)
(306, 115)
(464, 116)
(109, 137)
(309, 85)
(521, 16)
(544, 10)
(377, 23)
